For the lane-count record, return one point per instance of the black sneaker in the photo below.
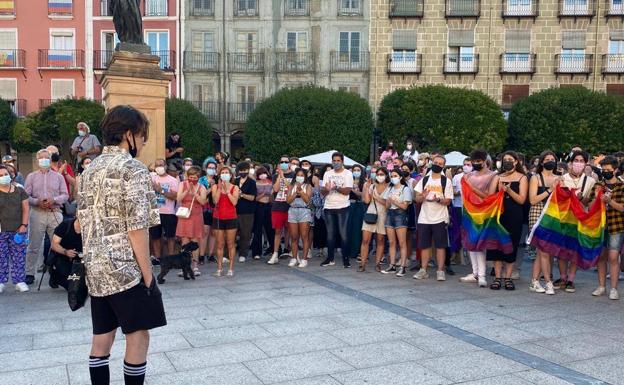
(401, 272)
(390, 269)
(327, 262)
(155, 262)
(347, 266)
(569, 287)
(52, 282)
(559, 284)
(212, 259)
(450, 271)
(202, 259)
(30, 279)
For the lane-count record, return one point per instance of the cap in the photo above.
(7, 159)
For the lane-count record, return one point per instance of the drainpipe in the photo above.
(223, 79)
(487, 81)
(180, 24)
(596, 45)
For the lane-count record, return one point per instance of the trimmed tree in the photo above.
(559, 118)
(183, 117)
(442, 118)
(7, 122)
(307, 120)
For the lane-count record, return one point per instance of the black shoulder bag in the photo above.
(371, 218)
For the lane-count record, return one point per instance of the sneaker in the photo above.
(274, 259)
(389, 269)
(256, 257)
(303, 263)
(401, 272)
(569, 287)
(515, 275)
(1, 288)
(599, 291)
(450, 271)
(180, 273)
(613, 294)
(196, 272)
(217, 273)
(482, 282)
(347, 265)
(202, 259)
(286, 254)
(327, 262)
(422, 274)
(212, 259)
(536, 287)
(155, 261)
(440, 276)
(559, 284)
(22, 287)
(30, 279)
(226, 260)
(293, 262)
(230, 273)
(470, 278)
(550, 288)
(242, 259)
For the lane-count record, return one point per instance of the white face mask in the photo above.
(409, 147)
(300, 179)
(380, 178)
(467, 169)
(252, 171)
(498, 164)
(186, 168)
(293, 167)
(160, 170)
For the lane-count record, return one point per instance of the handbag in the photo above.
(372, 218)
(185, 212)
(77, 292)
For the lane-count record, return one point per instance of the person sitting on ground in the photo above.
(66, 244)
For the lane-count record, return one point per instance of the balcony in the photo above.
(614, 8)
(576, 8)
(18, 106)
(202, 8)
(61, 59)
(295, 62)
(613, 64)
(406, 8)
(520, 8)
(517, 63)
(104, 8)
(246, 8)
(60, 8)
(44, 103)
(404, 63)
(354, 61)
(239, 112)
(462, 8)
(296, 8)
(350, 8)
(246, 62)
(461, 63)
(101, 59)
(167, 59)
(212, 110)
(573, 63)
(12, 59)
(199, 61)
(7, 8)
(156, 8)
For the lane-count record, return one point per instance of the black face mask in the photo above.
(132, 150)
(436, 169)
(507, 166)
(477, 166)
(607, 175)
(550, 165)
(55, 157)
(243, 174)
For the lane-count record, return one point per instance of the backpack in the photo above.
(442, 181)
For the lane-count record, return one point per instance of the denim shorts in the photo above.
(299, 215)
(614, 241)
(396, 219)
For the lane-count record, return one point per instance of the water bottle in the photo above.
(20, 238)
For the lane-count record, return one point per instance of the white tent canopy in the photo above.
(326, 158)
(455, 158)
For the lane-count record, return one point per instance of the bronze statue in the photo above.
(128, 25)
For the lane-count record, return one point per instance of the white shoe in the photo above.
(256, 257)
(1, 288)
(226, 260)
(422, 274)
(470, 278)
(293, 262)
(196, 272)
(180, 273)
(440, 276)
(599, 291)
(482, 282)
(241, 259)
(515, 275)
(550, 288)
(613, 294)
(230, 273)
(536, 287)
(22, 287)
(274, 259)
(303, 263)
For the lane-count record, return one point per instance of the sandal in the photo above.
(509, 285)
(496, 285)
(362, 268)
(378, 268)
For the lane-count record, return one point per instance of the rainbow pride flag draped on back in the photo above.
(481, 227)
(567, 231)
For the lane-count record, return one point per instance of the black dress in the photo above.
(70, 240)
(511, 219)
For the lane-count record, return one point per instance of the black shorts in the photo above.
(224, 224)
(435, 235)
(132, 309)
(167, 227)
(207, 217)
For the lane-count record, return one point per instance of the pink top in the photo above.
(481, 181)
(388, 155)
(167, 183)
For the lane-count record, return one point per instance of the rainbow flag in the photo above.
(60, 7)
(7, 7)
(566, 230)
(481, 227)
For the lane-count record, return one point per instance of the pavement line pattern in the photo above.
(508, 352)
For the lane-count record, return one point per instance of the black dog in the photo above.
(180, 261)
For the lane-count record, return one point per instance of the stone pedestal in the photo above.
(136, 79)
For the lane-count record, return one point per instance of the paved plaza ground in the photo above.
(332, 326)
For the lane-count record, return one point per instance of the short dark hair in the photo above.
(121, 119)
(611, 160)
(479, 155)
(338, 154)
(243, 166)
(584, 154)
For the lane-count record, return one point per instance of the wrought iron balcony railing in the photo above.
(350, 8)
(245, 62)
(244, 8)
(61, 58)
(296, 8)
(60, 7)
(295, 62)
(349, 61)
(576, 8)
(461, 63)
(12, 58)
(202, 8)
(201, 61)
(613, 64)
(463, 8)
(573, 63)
(239, 112)
(520, 8)
(210, 109)
(406, 8)
(517, 63)
(404, 63)
(156, 8)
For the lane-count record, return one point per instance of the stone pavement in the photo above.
(332, 326)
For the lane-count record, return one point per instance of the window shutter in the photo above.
(615, 89)
(8, 89)
(518, 41)
(573, 39)
(514, 92)
(198, 41)
(461, 38)
(616, 35)
(62, 89)
(404, 39)
(7, 40)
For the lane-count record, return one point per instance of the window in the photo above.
(575, 7)
(616, 7)
(352, 89)
(462, 8)
(60, 7)
(615, 58)
(246, 42)
(246, 7)
(8, 89)
(514, 92)
(156, 8)
(296, 41)
(296, 7)
(203, 92)
(202, 7)
(203, 41)
(62, 88)
(349, 7)
(61, 53)
(159, 43)
(246, 96)
(8, 54)
(519, 8)
(517, 57)
(572, 57)
(109, 41)
(403, 50)
(349, 47)
(461, 57)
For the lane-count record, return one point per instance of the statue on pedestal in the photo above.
(128, 25)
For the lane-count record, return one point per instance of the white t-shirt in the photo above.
(407, 156)
(434, 212)
(336, 200)
(577, 183)
(400, 193)
(457, 199)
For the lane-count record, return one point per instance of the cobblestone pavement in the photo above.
(331, 326)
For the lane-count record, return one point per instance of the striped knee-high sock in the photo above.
(134, 374)
(98, 370)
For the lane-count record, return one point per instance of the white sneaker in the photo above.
(230, 273)
(256, 257)
(515, 275)
(550, 288)
(482, 282)
(470, 278)
(180, 273)
(303, 263)
(536, 287)
(293, 262)
(422, 274)
(274, 259)
(242, 259)
(613, 294)
(22, 287)
(1, 288)
(599, 291)
(440, 276)
(226, 260)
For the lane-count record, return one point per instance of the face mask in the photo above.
(262, 176)
(395, 181)
(284, 166)
(243, 174)
(86, 165)
(252, 171)
(477, 166)
(211, 171)
(300, 179)
(409, 147)
(436, 169)
(390, 147)
(498, 164)
(226, 177)
(357, 174)
(293, 167)
(607, 175)
(337, 165)
(44, 163)
(467, 169)
(55, 157)
(507, 166)
(187, 167)
(160, 170)
(82, 133)
(550, 165)
(578, 167)
(421, 163)
(307, 168)
(132, 150)
(5, 180)
(193, 181)
(380, 178)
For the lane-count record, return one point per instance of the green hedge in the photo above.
(7, 121)
(308, 120)
(195, 130)
(559, 118)
(442, 118)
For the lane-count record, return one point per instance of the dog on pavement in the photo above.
(179, 261)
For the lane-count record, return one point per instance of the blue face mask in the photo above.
(5, 180)
(44, 163)
(226, 177)
(284, 166)
(357, 174)
(337, 165)
(211, 171)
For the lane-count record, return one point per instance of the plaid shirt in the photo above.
(615, 219)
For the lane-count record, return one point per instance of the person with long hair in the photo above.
(207, 244)
(299, 217)
(356, 211)
(387, 157)
(398, 198)
(225, 195)
(262, 219)
(374, 191)
(193, 196)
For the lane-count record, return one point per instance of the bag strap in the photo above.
(542, 179)
(583, 184)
